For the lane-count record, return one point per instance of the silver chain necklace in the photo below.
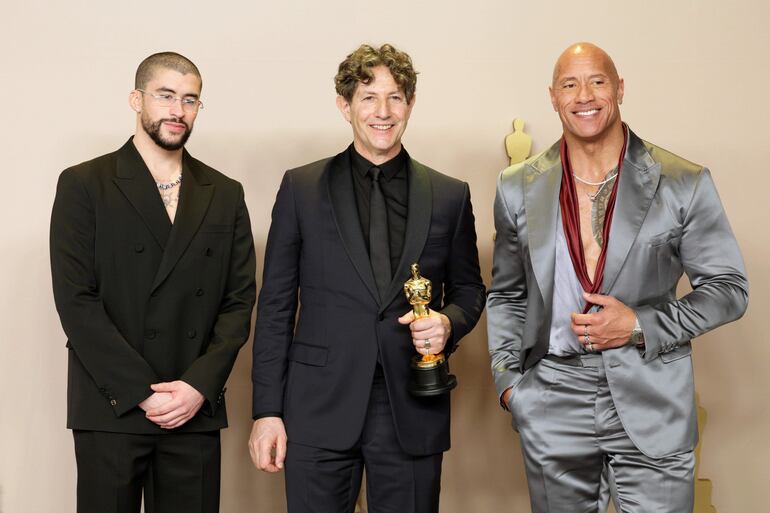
(595, 184)
(170, 185)
(601, 185)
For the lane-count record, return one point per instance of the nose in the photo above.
(585, 93)
(383, 110)
(176, 109)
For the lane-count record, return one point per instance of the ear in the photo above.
(621, 90)
(553, 99)
(344, 106)
(135, 101)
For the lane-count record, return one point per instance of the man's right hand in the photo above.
(155, 400)
(506, 397)
(267, 444)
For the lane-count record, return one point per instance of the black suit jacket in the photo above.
(142, 301)
(318, 374)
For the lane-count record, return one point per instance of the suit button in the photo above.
(139, 248)
(150, 333)
(191, 334)
(208, 252)
(199, 292)
(113, 402)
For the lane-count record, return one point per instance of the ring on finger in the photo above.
(585, 330)
(426, 344)
(590, 347)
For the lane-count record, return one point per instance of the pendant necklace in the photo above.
(601, 185)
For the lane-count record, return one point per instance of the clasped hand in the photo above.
(172, 404)
(608, 328)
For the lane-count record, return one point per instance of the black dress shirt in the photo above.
(395, 188)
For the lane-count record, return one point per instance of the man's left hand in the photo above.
(184, 404)
(608, 328)
(434, 329)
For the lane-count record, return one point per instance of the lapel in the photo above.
(135, 182)
(194, 198)
(420, 206)
(542, 183)
(345, 213)
(638, 182)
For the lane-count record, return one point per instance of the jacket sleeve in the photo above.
(464, 291)
(507, 297)
(277, 306)
(119, 371)
(209, 372)
(710, 256)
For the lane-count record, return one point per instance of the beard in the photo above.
(153, 130)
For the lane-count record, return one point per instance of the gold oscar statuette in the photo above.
(430, 372)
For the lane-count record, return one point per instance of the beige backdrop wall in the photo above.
(696, 80)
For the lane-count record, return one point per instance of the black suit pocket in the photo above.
(437, 240)
(308, 354)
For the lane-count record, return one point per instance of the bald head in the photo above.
(586, 92)
(582, 52)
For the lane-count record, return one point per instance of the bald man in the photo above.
(590, 345)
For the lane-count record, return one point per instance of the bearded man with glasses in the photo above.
(153, 276)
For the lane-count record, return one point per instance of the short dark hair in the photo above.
(166, 60)
(357, 68)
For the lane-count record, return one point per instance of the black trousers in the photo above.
(178, 472)
(324, 481)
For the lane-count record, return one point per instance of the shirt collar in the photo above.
(389, 169)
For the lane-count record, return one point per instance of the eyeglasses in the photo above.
(167, 100)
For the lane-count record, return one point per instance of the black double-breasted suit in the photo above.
(316, 372)
(143, 301)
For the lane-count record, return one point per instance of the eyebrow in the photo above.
(169, 90)
(595, 75)
(370, 91)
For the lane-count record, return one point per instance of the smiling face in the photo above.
(586, 92)
(378, 113)
(168, 127)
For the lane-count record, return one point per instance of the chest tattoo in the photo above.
(598, 213)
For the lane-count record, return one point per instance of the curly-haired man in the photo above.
(344, 234)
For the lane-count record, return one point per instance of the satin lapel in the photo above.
(345, 214)
(194, 198)
(638, 182)
(135, 182)
(420, 206)
(541, 203)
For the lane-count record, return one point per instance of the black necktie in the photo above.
(379, 242)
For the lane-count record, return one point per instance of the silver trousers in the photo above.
(570, 432)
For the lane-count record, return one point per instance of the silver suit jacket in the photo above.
(668, 220)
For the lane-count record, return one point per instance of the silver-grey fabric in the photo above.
(668, 220)
(567, 298)
(565, 444)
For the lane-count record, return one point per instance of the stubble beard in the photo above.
(153, 130)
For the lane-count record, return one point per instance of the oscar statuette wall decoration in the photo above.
(703, 487)
(518, 144)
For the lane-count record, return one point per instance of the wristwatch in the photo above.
(637, 335)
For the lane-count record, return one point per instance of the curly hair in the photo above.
(164, 60)
(357, 68)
